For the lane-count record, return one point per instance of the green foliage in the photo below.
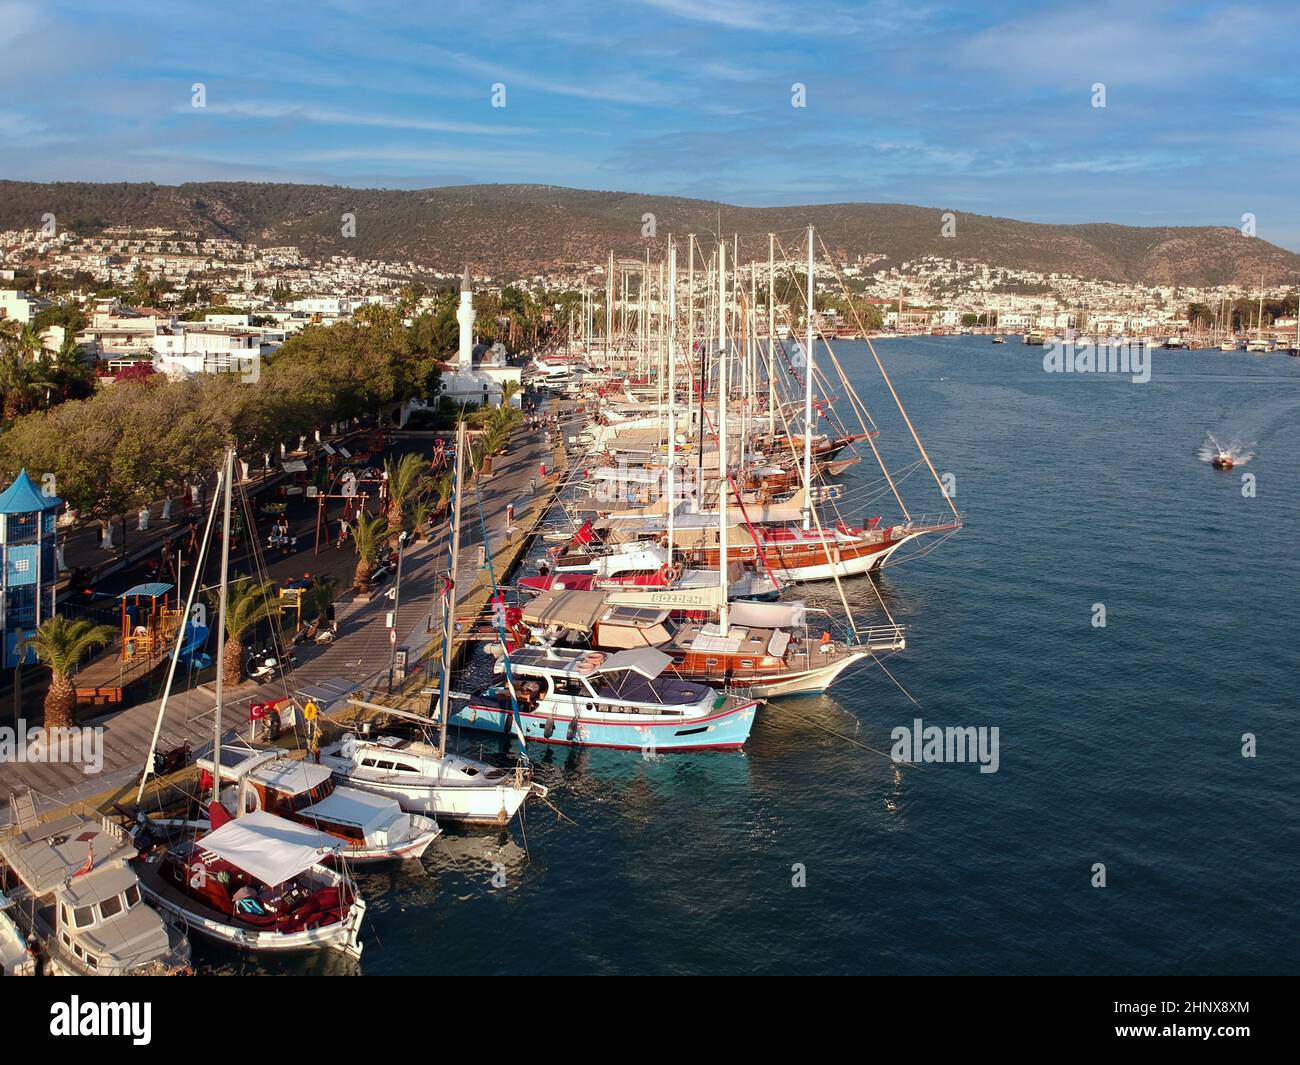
(61, 644)
(247, 603)
(132, 441)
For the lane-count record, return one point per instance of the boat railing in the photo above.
(882, 637)
(947, 520)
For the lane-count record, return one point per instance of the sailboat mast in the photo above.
(609, 306)
(723, 611)
(449, 627)
(227, 475)
(771, 334)
(807, 395)
(672, 390)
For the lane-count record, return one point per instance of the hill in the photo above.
(517, 230)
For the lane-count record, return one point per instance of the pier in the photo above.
(356, 663)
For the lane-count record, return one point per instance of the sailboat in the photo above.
(254, 881)
(421, 776)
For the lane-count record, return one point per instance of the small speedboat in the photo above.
(1223, 460)
(999, 340)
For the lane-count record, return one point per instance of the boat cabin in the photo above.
(625, 682)
(74, 891)
(306, 792)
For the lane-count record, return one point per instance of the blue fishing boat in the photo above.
(624, 700)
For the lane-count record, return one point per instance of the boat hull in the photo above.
(343, 936)
(727, 729)
(465, 805)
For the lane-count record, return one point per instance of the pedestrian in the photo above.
(343, 532)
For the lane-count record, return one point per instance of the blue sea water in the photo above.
(1119, 745)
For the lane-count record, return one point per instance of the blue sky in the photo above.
(982, 108)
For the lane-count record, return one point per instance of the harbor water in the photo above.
(1119, 745)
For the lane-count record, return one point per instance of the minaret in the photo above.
(465, 317)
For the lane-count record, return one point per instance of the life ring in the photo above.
(666, 573)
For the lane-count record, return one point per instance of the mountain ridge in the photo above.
(519, 230)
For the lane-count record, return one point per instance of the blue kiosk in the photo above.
(28, 563)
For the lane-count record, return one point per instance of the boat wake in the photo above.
(1230, 455)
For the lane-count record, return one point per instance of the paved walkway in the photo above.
(359, 659)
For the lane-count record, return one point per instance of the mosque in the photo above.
(480, 370)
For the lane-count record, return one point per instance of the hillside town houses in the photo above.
(279, 290)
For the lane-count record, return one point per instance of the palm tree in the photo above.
(247, 603)
(321, 596)
(508, 392)
(24, 342)
(443, 487)
(407, 486)
(368, 534)
(22, 382)
(491, 441)
(61, 644)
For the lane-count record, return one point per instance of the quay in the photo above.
(356, 664)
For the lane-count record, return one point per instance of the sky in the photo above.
(984, 108)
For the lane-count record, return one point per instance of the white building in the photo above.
(480, 372)
(17, 306)
(187, 352)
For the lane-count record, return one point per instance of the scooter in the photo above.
(317, 633)
(265, 664)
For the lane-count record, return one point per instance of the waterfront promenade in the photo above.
(358, 661)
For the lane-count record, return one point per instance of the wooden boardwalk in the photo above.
(357, 660)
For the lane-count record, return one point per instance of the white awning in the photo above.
(348, 806)
(292, 777)
(768, 615)
(572, 609)
(647, 661)
(268, 847)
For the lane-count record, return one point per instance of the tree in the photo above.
(61, 644)
(407, 487)
(509, 390)
(322, 595)
(368, 535)
(247, 603)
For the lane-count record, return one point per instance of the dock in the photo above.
(355, 663)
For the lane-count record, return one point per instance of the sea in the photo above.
(1122, 613)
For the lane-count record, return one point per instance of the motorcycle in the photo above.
(265, 663)
(315, 632)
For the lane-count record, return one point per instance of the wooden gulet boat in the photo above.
(373, 828)
(767, 649)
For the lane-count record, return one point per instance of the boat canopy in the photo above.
(648, 661)
(629, 474)
(348, 806)
(574, 610)
(291, 777)
(268, 847)
(769, 615)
